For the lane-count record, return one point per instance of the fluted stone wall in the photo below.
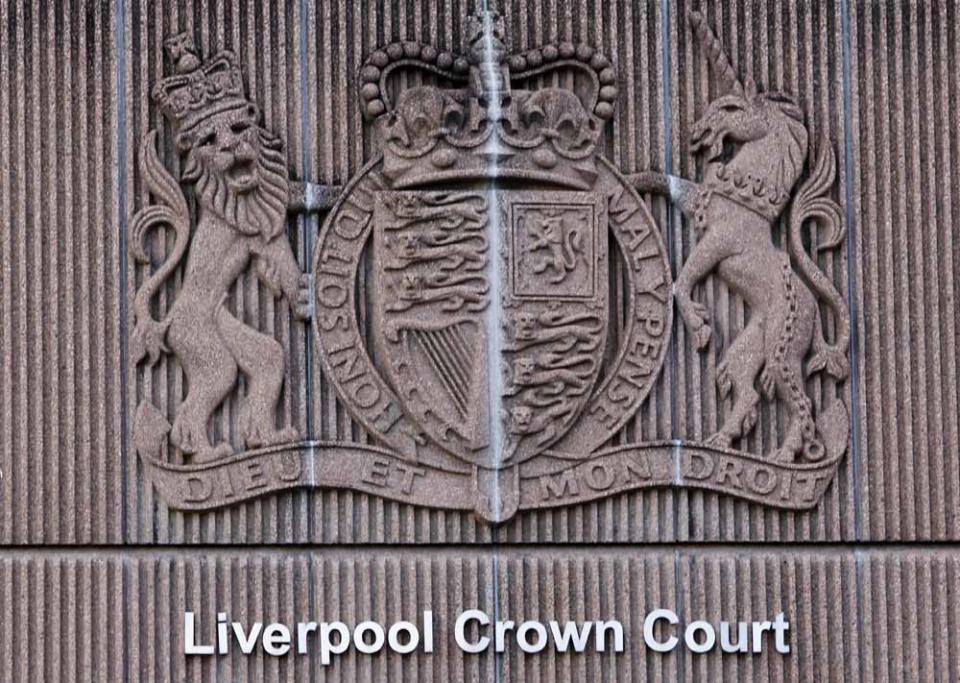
(95, 569)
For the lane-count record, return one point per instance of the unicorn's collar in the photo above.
(752, 192)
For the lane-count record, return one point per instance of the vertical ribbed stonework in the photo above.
(907, 193)
(286, 49)
(115, 617)
(96, 571)
(85, 617)
(817, 590)
(905, 636)
(60, 378)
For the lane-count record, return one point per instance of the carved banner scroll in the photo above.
(345, 465)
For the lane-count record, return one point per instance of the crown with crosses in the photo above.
(198, 90)
(536, 115)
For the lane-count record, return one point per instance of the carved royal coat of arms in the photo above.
(486, 355)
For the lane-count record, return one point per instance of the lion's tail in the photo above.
(147, 338)
(812, 202)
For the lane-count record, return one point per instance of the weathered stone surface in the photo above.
(687, 517)
(96, 451)
(903, 129)
(61, 272)
(838, 631)
(798, 52)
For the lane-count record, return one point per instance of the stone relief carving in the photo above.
(478, 355)
(754, 146)
(238, 172)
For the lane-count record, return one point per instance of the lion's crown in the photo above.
(198, 90)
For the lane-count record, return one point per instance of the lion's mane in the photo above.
(262, 210)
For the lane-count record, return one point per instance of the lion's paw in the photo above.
(246, 425)
(211, 453)
(302, 303)
(182, 436)
(192, 441)
(750, 420)
(701, 336)
(287, 434)
(258, 436)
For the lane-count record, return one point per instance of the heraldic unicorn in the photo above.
(754, 146)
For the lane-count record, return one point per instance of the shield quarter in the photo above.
(444, 313)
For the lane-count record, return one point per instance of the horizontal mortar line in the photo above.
(574, 549)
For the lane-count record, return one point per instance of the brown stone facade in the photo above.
(555, 310)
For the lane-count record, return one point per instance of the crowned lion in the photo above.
(238, 170)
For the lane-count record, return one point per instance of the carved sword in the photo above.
(307, 197)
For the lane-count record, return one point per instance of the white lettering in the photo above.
(476, 632)
(461, 625)
(302, 630)
(223, 641)
(427, 631)
(190, 645)
(758, 629)
(648, 635)
(602, 628)
(570, 634)
(247, 640)
(524, 641)
(360, 642)
(741, 644)
(781, 626)
(276, 640)
(327, 646)
(500, 634)
(690, 637)
(412, 639)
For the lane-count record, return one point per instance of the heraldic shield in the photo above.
(491, 314)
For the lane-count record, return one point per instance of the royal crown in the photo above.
(198, 90)
(536, 115)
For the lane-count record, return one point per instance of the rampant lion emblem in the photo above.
(754, 145)
(554, 245)
(238, 171)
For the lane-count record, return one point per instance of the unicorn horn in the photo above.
(718, 58)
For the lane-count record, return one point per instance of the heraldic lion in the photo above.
(239, 175)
